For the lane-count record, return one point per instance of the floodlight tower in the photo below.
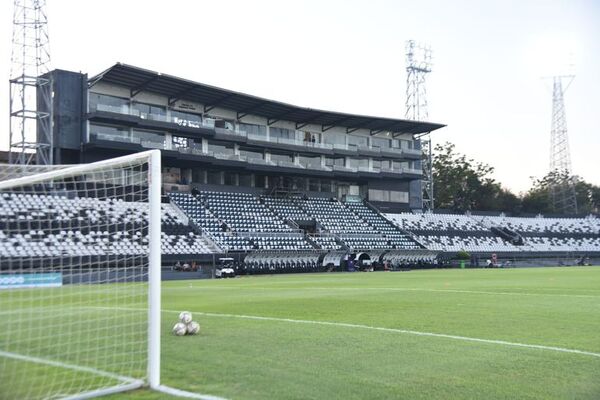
(562, 192)
(30, 130)
(418, 65)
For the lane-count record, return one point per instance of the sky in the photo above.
(489, 60)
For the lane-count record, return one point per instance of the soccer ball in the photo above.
(193, 328)
(179, 329)
(185, 317)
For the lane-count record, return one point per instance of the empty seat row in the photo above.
(40, 225)
(436, 222)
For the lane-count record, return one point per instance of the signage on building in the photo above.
(19, 281)
(186, 123)
(186, 106)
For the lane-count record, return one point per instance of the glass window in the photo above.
(357, 141)
(358, 163)
(404, 144)
(102, 102)
(221, 123)
(251, 129)
(398, 197)
(330, 162)
(186, 119)
(380, 143)
(106, 132)
(209, 121)
(260, 181)
(245, 179)
(282, 133)
(214, 177)
(375, 195)
(301, 183)
(334, 138)
(308, 137)
(313, 185)
(198, 175)
(377, 164)
(277, 157)
(220, 148)
(251, 154)
(310, 162)
(326, 186)
(149, 111)
(149, 138)
(230, 179)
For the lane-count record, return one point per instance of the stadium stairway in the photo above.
(242, 222)
(396, 236)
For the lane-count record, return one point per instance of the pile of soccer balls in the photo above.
(186, 326)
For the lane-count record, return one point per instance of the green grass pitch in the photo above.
(409, 335)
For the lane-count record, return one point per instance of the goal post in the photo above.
(154, 276)
(80, 256)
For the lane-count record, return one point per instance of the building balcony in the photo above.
(124, 116)
(196, 154)
(194, 127)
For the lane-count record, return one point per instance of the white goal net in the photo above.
(79, 259)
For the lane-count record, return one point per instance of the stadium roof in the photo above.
(139, 79)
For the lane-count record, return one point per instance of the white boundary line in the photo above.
(128, 383)
(185, 394)
(382, 329)
(409, 332)
(74, 367)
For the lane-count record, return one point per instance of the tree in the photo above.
(588, 197)
(538, 198)
(462, 184)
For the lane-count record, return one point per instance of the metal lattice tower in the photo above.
(30, 137)
(562, 191)
(418, 65)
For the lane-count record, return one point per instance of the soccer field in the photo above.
(367, 335)
(494, 334)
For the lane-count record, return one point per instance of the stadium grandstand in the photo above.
(276, 187)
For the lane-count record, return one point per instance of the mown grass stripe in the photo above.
(377, 328)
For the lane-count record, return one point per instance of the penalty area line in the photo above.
(383, 329)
